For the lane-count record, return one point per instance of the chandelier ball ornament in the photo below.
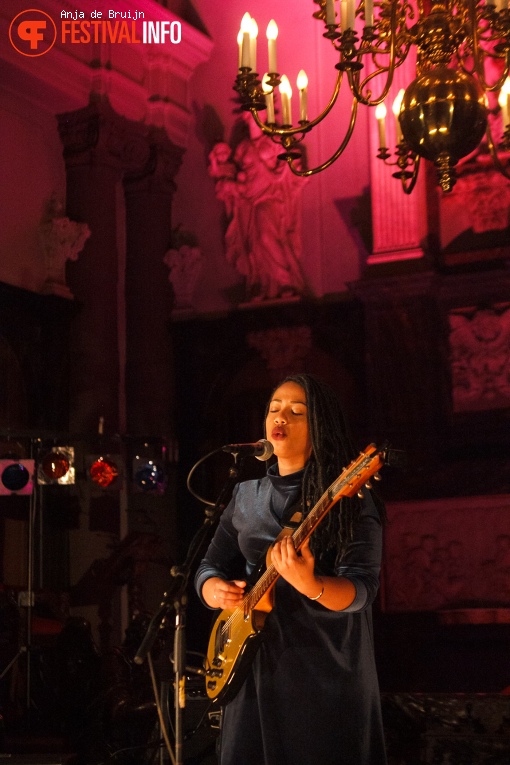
(462, 51)
(444, 117)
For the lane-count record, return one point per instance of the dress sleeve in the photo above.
(361, 562)
(223, 557)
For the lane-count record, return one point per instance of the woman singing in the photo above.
(311, 695)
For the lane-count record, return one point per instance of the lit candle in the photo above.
(302, 83)
(239, 49)
(504, 102)
(369, 13)
(396, 111)
(254, 30)
(330, 12)
(245, 29)
(286, 95)
(268, 93)
(272, 34)
(380, 115)
(351, 13)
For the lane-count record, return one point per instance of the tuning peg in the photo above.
(377, 477)
(368, 484)
(360, 494)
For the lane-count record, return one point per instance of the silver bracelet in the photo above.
(321, 593)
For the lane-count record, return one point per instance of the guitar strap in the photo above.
(292, 515)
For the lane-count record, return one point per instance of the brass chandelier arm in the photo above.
(313, 171)
(304, 127)
(408, 184)
(395, 60)
(478, 54)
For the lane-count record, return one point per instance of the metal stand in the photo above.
(26, 601)
(176, 599)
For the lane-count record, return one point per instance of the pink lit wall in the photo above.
(333, 250)
(187, 89)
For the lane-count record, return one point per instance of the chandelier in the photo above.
(462, 52)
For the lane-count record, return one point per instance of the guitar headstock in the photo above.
(358, 473)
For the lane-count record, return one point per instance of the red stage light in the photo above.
(103, 471)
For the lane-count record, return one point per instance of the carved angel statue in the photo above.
(263, 205)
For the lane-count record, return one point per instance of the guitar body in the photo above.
(230, 652)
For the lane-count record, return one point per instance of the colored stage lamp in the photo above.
(57, 466)
(16, 476)
(103, 471)
(148, 475)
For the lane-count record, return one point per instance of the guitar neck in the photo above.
(345, 485)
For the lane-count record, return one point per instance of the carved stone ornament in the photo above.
(185, 264)
(263, 206)
(480, 359)
(62, 239)
(486, 194)
(446, 553)
(284, 349)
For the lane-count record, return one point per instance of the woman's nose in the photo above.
(279, 418)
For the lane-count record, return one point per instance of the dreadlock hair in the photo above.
(332, 451)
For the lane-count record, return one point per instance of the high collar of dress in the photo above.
(284, 483)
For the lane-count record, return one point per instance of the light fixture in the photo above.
(104, 470)
(56, 466)
(148, 475)
(16, 476)
(443, 114)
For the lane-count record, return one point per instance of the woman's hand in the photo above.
(297, 568)
(219, 593)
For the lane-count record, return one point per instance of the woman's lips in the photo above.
(278, 434)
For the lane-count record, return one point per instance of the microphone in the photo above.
(262, 449)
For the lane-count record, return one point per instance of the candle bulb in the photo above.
(396, 111)
(286, 95)
(254, 30)
(351, 14)
(369, 13)
(302, 83)
(330, 12)
(380, 115)
(272, 34)
(504, 102)
(245, 51)
(239, 49)
(343, 15)
(268, 94)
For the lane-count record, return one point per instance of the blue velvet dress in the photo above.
(311, 695)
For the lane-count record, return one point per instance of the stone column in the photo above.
(99, 146)
(149, 368)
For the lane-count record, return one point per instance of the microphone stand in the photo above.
(176, 598)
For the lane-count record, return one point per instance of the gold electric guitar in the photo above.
(236, 633)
